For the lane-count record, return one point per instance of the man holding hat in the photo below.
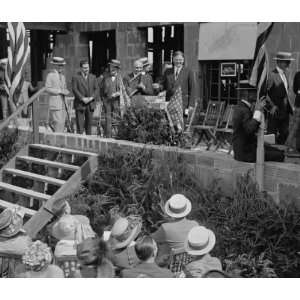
(173, 234)
(245, 126)
(57, 90)
(278, 95)
(110, 92)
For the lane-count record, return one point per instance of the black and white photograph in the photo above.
(155, 149)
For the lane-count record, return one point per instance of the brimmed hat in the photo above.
(115, 63)
(58, 61)
(199, 241)
(245, 85)
(178, 206)
(11, 222)
(123, 233)
(3, 61)
(65, 228)
(87, 250)
(284, 56)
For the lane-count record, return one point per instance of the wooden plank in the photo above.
(49, 163)
(34, 176)
(28, 211)
(44, 215)
(24, 192)
(62, 150)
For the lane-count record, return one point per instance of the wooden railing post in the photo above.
(35, 121)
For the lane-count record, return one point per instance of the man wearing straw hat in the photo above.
(278, 95)
(57, 89)
(245, 126)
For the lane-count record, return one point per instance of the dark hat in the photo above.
(245, 85)
(284, 56)
(58, 61)
(115, 63)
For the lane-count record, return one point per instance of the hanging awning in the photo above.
(227, 41)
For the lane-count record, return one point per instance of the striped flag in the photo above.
(18, 52)
(175, 111)
(260, 69)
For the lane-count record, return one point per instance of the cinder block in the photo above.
(60, 140)
(71, 142)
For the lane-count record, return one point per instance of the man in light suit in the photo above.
(85, 90)
(57, 89)
(279, 103)
(181, 76)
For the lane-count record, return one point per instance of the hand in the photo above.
(142, 86)
(155, 85)
(261, 104)
(273, 110)
(65, 92)
(85, 100)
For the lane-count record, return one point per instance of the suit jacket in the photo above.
(150, 270)
(125, 258)
(186, 80)
(108, 87)
(278, 95)
(296, 88)
(55, 83)
(174, 233)
(146, 79)
(244, 139)
(84, 88)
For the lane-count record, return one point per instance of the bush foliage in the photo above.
(255, 237)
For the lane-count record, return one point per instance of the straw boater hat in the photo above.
(115, 63)
(284, 56)
(199, 241)
(11, 222)
(3, 61)
(123, 233)
(178, 206)
(144, 61)
(245, 85)
(65, 228)
(58, 61)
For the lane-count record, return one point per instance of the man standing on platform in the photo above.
(138, 82)
(179, 76)
(57, 90)
(245, 126)
(85, 90)
(279, 102)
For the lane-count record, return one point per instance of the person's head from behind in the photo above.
(84, 66)
(178, 59)
(146, 248)
(247, 92)
(138, 67)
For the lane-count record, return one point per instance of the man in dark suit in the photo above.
(245, 126)
(138, 82)
(279, 103)
(85, 89)
(181, 76)
(110, 94)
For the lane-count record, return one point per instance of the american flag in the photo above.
(260, 69)
(18, 52)
(175, 111)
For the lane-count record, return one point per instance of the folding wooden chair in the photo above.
(8, 264)
(210, 123)
(69, 264)
(224, 131)
(179, 258)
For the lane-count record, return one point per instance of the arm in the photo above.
(250, 124)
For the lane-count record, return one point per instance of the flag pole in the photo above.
(260, 153)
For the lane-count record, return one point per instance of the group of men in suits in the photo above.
(112, 89)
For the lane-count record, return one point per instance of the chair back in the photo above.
(226, 119)
(69, 264)
(8, 264)
(179, 258)
(213, 113)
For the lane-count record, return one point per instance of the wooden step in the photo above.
(62, 150)
(34, 176)
(49, 163)
(24, 192)
(28, 211)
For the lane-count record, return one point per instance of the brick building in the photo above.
(210, 48)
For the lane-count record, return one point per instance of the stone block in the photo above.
(60, 140)
(289, 193)
(79, 143)
(50, 139)
(270, 184)
(71, 142)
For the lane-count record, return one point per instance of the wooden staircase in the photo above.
(39, 177)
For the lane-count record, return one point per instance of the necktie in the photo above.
(176, 73)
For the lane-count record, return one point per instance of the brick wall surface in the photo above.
(281, 179)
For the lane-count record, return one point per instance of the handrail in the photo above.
(20, 108)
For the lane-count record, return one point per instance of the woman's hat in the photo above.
(199, 241)
(65, 228)
(245, 85)
(58, 61)
(11, 222)
(284, 56)
(123, 233)
(115, 63)
(178, 206)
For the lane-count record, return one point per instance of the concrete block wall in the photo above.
(282, 180)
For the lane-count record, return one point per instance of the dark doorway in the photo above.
(102, 48)
(3, 43)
